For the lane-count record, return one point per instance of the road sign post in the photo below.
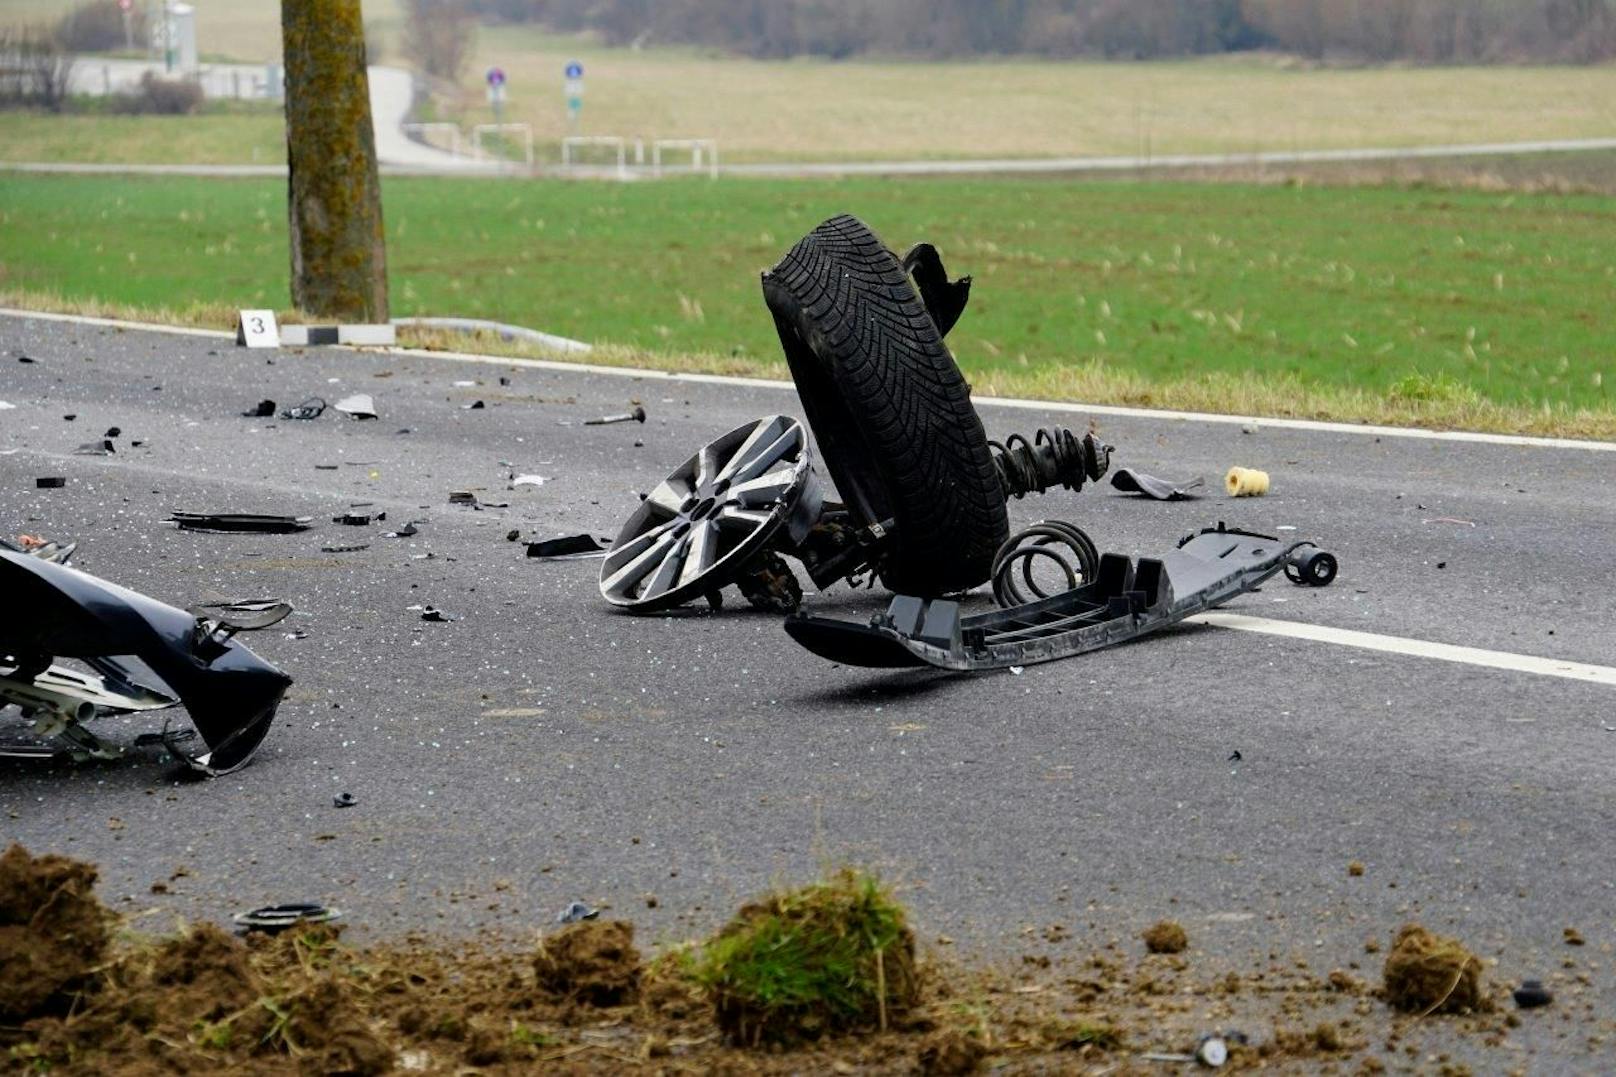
(573, 88)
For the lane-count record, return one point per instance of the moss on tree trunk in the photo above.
(339, 262)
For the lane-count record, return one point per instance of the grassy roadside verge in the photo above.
(1433, 404)
(1452, 308)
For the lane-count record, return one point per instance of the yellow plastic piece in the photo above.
(1245, 482)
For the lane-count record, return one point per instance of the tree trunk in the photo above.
(339, 259)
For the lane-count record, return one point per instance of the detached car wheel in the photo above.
(889, 408)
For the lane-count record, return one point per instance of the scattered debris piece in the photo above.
(69, 418)
(1355, 868)
(635, 416)
(240, 523)
(113, 432)
(1235, 756)
(42, 548)
(144, 655)
(51, 482)
(527, 480)
(6, 405)
(273, 918)
(1137, 482)
(1212, 1052)
(104, 447)
(358, 519)
(345, 549)
(576, 911)
(344, 800)
(465, 384)
(26, 359)
(568, 548)
(1246, 482)
(462, 497)
(1532, 994)
(1165, 937)
(264, 410)
(243, 614)
(358, 406)
(432, 613)
(1449, 520)
(312, 408)
(475, 405)
(1428, 973)
(406, 531)
(1572, 937)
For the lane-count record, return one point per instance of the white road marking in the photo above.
(1061, 406)
(1418, 648)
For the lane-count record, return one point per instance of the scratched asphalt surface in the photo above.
(546, 748)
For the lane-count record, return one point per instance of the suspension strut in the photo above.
(1054, 457)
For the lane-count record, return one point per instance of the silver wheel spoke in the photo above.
(706, 469)
(762, 434)
(765, 489)
(703, 551)
(638, 565)
(776, 451)
(732, 517)
(668, 570)
(668, 497)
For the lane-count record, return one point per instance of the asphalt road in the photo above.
(547, 748)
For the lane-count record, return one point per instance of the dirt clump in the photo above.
(950, 1052)
(592, 961)
(53, 930)
(204, 974)
(1165, 937)
(1430, 973)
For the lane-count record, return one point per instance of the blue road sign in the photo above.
(496, 77)
(575, 70)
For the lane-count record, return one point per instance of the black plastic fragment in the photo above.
(1125, 599)
(945, 301)
(312, 408)
(1532, 994)
(50, 482)
(264, 410)
(344, 800)
(239, 523)
(1137, 482)
(437, 616)
(569, 547)
(113, 432)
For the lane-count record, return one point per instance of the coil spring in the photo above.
(1054, 457)
(1052, 540)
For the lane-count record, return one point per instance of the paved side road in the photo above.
(546, 748)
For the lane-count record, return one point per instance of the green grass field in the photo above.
(1082, 289)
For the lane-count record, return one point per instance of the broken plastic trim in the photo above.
(1126, 600)
(230, 693)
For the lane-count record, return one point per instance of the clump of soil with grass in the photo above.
(1165, 937)
(833, 957)
(53, 931)
(1430, 973)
